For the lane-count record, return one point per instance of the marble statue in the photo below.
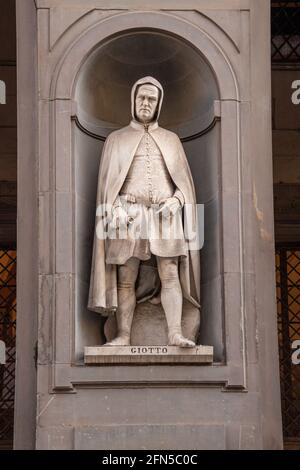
(146, 213)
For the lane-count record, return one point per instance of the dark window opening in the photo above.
(8, 336)
(8, 213)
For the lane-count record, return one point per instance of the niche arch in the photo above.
(84, 159)
(103, 85)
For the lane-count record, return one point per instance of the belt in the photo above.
(139, 200)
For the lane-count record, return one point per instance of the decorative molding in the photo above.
(65, 375)
(203, 132)
(184, 139)
(8, 63)
(66, 379)
(2, 92)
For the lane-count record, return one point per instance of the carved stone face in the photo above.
(146, 103)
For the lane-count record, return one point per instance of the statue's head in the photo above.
(147, 97)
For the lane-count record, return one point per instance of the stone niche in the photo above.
(191, 108)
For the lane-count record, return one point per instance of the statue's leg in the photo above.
(172, 301)
(127, 275)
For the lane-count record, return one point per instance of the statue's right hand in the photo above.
(120, 218)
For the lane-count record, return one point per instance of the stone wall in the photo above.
(8, 126)
(234, 403)
(286, 155)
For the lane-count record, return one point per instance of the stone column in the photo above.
(233, 403)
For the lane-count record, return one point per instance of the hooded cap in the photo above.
(144, 81)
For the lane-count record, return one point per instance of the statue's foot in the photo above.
(181, 341)
(119, 341)
(155, 300)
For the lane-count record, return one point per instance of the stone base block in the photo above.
(149, 325)
(147, 354)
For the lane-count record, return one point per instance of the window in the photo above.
(2, 92)
(288, 311)
(8, 336)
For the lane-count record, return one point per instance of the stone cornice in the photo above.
(147, 5)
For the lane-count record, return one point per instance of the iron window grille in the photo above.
(288, 315)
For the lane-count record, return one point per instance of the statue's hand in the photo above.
(170, 207)
(120, 218)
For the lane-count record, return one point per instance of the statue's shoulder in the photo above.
(170, 135)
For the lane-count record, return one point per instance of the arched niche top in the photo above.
(64, 80)
(104, 83)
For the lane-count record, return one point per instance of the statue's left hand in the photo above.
(170, 207)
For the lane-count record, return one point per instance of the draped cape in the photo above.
(117, 155)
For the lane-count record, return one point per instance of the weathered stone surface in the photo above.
(150, 326)
(148, 354)
(152, 405)
(127, 437)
